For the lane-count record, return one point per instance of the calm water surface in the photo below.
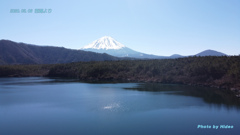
(44, 106)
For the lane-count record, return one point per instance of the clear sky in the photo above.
(160, 27)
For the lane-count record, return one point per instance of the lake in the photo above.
(46, 106)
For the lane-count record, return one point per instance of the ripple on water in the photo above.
(115, 107)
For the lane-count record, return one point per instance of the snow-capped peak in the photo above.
(105, 42)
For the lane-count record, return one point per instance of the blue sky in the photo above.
(160, 27)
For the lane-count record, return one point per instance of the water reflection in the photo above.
(34, 80)
(66, 106)
(213, 96)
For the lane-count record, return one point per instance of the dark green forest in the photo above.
(24, 70)
(213, 71)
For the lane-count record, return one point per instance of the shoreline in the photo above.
(235, 90)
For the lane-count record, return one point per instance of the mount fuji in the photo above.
(112, 47)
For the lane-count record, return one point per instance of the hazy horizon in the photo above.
(200, 51)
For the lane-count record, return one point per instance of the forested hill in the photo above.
(215, 71)
(222, 72)
(21, 53)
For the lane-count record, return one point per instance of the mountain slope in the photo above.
(176, 56)
(210, 53)
(110, 46)
(20, 53)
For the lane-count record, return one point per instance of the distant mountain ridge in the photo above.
(210, 53)
(112, 47)
(21, 53)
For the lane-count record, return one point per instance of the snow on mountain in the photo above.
(106, 43)
(110, 46)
